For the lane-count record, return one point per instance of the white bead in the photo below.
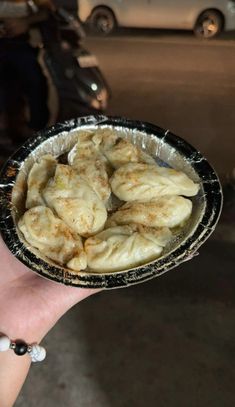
(38, 353)
(4, 343)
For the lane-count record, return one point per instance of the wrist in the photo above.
(17, 332)
(18, 320)
(20, 326)
(13, 372)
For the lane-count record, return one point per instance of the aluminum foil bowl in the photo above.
(168, 150)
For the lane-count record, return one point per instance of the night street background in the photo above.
(169, 342)
(178, 82)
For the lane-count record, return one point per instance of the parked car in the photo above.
(207, 18)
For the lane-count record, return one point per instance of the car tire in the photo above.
(209, 24)
(102, 21)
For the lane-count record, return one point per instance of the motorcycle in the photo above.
(73, 71)
(76, 85)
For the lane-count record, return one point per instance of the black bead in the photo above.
(20, 348)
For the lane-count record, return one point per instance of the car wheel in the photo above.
(209, 24)
(102, 21)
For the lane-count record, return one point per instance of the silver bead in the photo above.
(38, 353)
(5, 343)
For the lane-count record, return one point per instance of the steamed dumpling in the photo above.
(107, 145)
(165, 211)
(79, 262)
(124, 152)
(52, 237)
(91, 145)
(88, 147)
(145, 158)
(95, 174)
(121, 152)
(143, 182)
(124, 247)
(84, 149)
(75, 202)
(38, 177)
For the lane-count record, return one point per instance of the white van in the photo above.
(206, 17)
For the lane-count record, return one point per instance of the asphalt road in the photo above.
(176, 81)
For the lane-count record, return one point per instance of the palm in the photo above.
(31, 303)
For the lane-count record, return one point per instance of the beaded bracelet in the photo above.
(36, 352)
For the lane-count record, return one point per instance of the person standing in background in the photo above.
(19, 65)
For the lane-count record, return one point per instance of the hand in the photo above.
(31, 305)
(16, 26)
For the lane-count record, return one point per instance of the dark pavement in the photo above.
(177, 82)
(169, 342)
